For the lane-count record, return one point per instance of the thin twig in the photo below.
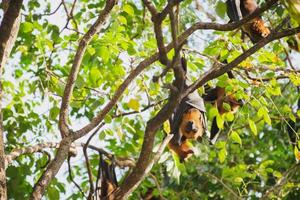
(87, 162)
(72, 179)
(225, 185)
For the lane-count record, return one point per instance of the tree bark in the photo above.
(8, 33)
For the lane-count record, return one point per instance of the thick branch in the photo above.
(52, 169)
(9, 29)
(121, 192)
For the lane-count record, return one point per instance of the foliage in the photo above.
(252, 155)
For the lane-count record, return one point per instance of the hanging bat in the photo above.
(108, 180)
(255, 29)
(188, 122)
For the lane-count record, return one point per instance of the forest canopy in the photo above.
(89, 91)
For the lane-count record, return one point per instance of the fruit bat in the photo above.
(255, 29)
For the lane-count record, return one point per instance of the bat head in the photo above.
(191, 126)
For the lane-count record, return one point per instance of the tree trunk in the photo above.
(8, 33)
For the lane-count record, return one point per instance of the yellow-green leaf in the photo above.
(222, 155)
(236, 138)
(238, 180)
(252, 126)
(134, 104)
(128, 9)
(267, 119)
(220, 122)
(229, 116)
(296, 153)
(166, 127)
(27, 27)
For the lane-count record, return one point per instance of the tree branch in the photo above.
(62, 152)
(9, 29)
(281, 182)
(33, 149)
(222, 69)
(224, 185)
(95, 28)
(71, 177)
(152, 125)
(128, 183)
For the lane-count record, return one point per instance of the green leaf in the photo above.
(221, 9)
(134, 104)
(128, 9)
(292, 117)
(226, 106)
(277, 174)
(166, 127)
(53, 193)
(220, 122)
(122, 19)
(104, 54)
(252, 126)
(267, 119)
(107, 119)
(222, 155)
(27, 27)
(229, 116)
(220, 144)
(54, 111)
(262, 111)
(238, 180)
(213, 111)
(95, 75)
(91, 50)
(263, 101)
(235, 137)
(296, 153)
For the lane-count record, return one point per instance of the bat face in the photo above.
(191, 125)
